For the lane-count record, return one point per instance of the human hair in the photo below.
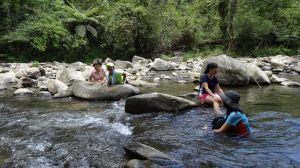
(97, 62)
(210, 66)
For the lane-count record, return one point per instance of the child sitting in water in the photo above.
(114, 76)
(235, 121)
(98, 74)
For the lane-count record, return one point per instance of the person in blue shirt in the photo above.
(235, 121)
(210, 87)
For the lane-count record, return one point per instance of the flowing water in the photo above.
(45, 132)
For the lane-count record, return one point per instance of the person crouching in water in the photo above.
(98, 74)
(114, 76)
(209, 86)
(235, 122)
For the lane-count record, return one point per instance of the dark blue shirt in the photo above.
(212, 83)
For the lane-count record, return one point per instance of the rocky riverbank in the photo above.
(56, 79)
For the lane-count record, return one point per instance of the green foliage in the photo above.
(72, 30)
(35, 63)
(44, 33)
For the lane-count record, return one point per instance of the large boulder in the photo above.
(297, 68)
(95, 91)
(156, 102)
(56, 86)
(20, 66)
(86, 72)
(33, 73)
(123, 64)
(256, 74)
(161, 65)
(68, 75)
(135, 59)
(230, 72)
(140, 63)
(8, 77)
(279, 62)
(79, 66)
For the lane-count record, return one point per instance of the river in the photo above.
(45, 132)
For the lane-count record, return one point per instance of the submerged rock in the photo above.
(142, 155)
(156, 102)
(135, 163)
(95, 91)
(290, 84)
(230, 72)
(137, 150)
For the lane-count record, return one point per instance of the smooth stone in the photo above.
(161, 65)
(137, 150)
(23, 91)
(56, 86)
(277, 80)
(290, 84)
(68, 75)
(268, 73)
(95, 91)
(123, 64)
(156, 102)
(256, 74)
(142, 83)
(44, 93)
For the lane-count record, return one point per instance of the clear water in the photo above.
(45, 132)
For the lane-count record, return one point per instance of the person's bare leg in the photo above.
(211, 100)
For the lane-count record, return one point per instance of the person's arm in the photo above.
(205, 86)
(231, 121)
(91, 78)
(219, 89)
(223, 129)
(124, 76)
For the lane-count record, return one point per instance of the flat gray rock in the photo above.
(156, 102)
(95, 91)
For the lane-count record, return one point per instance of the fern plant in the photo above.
(81, 21)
